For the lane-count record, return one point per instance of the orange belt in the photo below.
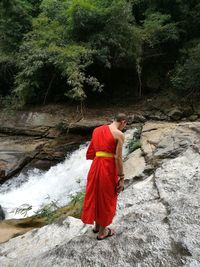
(104, 154)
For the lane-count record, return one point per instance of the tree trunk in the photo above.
(49, 87)
(139, 72)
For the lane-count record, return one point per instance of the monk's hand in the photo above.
(120, 186)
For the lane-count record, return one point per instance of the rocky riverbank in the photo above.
(42, 137)
(157, 220)
(34, 139)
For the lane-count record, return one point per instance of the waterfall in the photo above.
(37, 187)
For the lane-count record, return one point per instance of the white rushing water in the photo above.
(39, 188)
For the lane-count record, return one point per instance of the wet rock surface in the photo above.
(31, 139)
(51, 125)
(24, 152)
(15, 153)
(43, 137)
(157, 219)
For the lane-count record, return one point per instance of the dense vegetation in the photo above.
(54, 50)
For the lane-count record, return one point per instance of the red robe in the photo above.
(101, 195)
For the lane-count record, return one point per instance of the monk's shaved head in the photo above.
(119, 117)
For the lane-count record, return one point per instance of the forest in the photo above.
(53, 51)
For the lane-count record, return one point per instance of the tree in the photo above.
(153, 35)
(68, 37)
(51, 48)
(186, 77)
(15, 22)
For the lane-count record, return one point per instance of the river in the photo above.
(38, 188)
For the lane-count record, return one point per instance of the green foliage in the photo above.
(48, 211)
(9, 103)
(51, 43)
(159, 29)
(70, 48)
(23, 209)
(51, 211)
(186, 77)
(78, 197)
(134, 143)
(15, 21)
(156, 31)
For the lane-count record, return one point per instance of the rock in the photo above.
(196, 147)
(184, 119)
(187, 110)
(53, 133)
(175, 114)
(85, 126)
(41, 164)
(51, 124)
(16, 227)
(157, 219)
(16, 152)
(158, 116)
(152, 134)
(15, 130)
(167, 140)
(161, 117)
(147, 114)
(57, 149)
(178, 184)
(2, 173)
(2, 214)
(134, 165)
(29, 123)
(155, 115)
(194, 126)
(59, 234)
(193, 117)
(11, 228)
(136, 118)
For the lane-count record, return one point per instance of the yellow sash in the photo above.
(104, 154)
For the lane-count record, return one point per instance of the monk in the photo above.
(105, 178)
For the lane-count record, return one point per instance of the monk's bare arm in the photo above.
(118, 153)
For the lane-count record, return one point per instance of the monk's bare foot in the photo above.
(106, 233)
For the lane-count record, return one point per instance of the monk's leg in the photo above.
(96, 227)
(103, 231)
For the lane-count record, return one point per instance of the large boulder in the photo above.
(46, 124)
(175, 114)
(193, 117)
(156, 223)
(178, 184)
(167, 140)
(29, 123)
(16, 152)
(136, 118)
(85, 125)
(134, 165)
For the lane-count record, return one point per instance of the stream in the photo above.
(38, 188)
